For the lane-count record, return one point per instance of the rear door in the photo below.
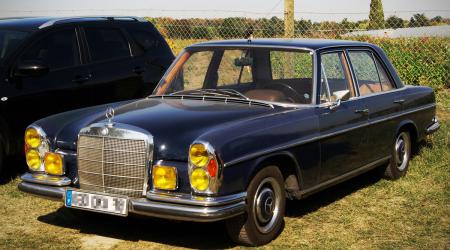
(377, 91)
(112, 74)
(344, 128)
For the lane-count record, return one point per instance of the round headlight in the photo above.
(199, 179)
(198, 155)
(32, 137)
(33, 159)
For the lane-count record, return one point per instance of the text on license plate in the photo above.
(96, 202)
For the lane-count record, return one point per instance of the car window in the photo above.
(56, 50)
(9, 40)
(194, 71)
(229, 73)
(106, 44)
(290, 65)
(335, 76)
(369, 79)
(144, 39)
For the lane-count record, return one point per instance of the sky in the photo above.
(316, 10)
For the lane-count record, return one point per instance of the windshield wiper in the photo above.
(213, 92)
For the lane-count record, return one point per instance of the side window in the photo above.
(229, 73)
(144, 39)
(106, 44)
(336, 78)
(194, 70)
(290, 65)
(369, 78)
(56, 50)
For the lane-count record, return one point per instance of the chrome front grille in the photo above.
(112, 164)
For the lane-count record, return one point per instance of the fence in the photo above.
(418, 48)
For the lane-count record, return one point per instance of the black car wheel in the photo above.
(401, 154)
(266, 201)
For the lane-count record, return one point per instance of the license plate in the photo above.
(96, 202)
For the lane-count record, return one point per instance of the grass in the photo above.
(365, 212)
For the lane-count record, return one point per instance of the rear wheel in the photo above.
(401, 154)
(266, 201)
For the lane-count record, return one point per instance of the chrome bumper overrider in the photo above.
(178, 207)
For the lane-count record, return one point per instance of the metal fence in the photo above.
(418, 47)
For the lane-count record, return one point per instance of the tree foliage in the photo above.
(395, 22)
(376, 15)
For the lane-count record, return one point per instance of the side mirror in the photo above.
(31, 68)
(342, 95)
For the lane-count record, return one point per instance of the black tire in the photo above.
(401, 154)
(266, 202)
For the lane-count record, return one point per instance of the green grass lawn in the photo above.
(365, 212)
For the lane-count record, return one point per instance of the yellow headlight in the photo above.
(33, 159)
(53, 164)
(32, 138)
(198, 155)
(199, 179)
(164, 177)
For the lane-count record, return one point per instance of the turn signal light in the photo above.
(212, 168)
(53, 164)
(199, 179)
(33, 159)
(164, 177)
(32, 137)
(198, 155)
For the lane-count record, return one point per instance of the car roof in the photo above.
(314, 44)
(35, 23)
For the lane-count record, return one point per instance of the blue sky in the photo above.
(316, 10)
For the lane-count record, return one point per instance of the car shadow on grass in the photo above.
(136, 228)
(14, 167)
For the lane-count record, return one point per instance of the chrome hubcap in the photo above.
(402, 149)
(267, 204)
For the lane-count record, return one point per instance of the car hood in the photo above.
(173, 123)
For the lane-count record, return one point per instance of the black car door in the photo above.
(113, 75)
(343, 126)
(33, 96)
(383, 101)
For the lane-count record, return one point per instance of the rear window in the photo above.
(106, 44)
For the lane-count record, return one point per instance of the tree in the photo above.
(436, 20)
(394, 22)
(376, 15)
(419, 20)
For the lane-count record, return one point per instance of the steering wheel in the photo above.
(291, 95)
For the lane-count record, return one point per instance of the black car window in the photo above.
(9, 40)
(106, 44)
(144, 39)
(369, 74)
(335, 76)
(56, 50)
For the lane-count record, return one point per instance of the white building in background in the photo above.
(427, 31)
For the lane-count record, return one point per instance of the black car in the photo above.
(232, 130)
(50, 65)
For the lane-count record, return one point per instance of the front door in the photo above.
(343, 128)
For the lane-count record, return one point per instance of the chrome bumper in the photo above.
(179, 207)
(433, 127)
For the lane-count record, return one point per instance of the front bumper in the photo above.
(179, 207)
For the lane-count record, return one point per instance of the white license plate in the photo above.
(96, 202)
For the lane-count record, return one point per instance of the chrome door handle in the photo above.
(362, 111)
(400, 101)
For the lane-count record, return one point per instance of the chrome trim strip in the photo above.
(42, 191)
(343, 177)
(40, 178)
(187, 199)
(320, 137)
(433, 127)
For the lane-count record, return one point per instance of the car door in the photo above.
(378, 92)
(343, 126)
(113, 76)
(37, 96)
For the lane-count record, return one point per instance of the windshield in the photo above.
(9, 40)
(271, 75)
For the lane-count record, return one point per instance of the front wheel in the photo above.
(266, 201)
(401, 154)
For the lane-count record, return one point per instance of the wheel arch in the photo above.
(288, 165)
(411, 127)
